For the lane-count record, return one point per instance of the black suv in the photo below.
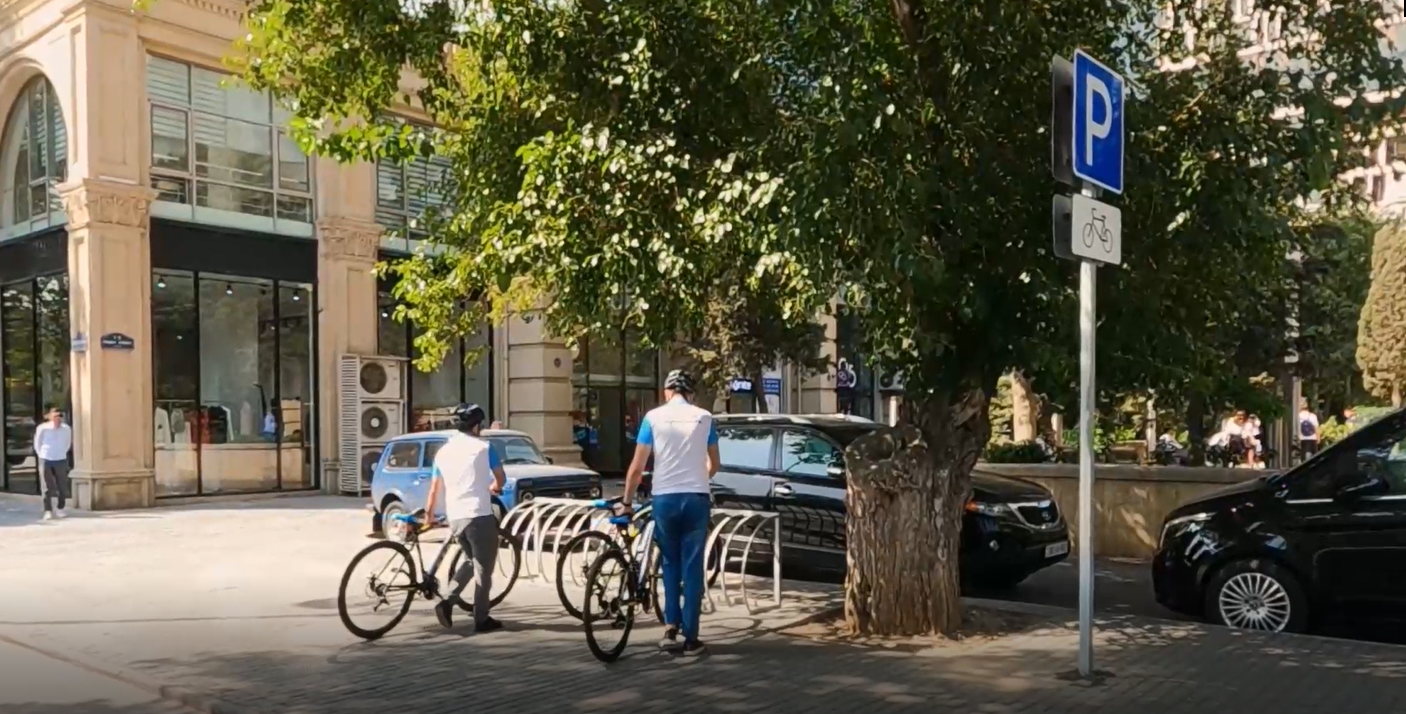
(794, 466)
(1282, 551)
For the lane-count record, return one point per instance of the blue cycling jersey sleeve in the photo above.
(493, 460)
(712, 432)
(436, 473)
(645, 437)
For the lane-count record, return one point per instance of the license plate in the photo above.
(1054, 549)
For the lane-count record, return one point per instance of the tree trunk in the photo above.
(1025, 409)
(759, 394)
(908, 486)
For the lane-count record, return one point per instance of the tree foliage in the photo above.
(1381, 346)
(625, 162)
(1331, 279)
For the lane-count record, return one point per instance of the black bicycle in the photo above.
(575, 559)
(396, 578)
(623, 578)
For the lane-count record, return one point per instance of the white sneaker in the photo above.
(47, 516)
(60, 514)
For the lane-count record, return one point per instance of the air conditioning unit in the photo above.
(890, 381)
(380, 378)
(370, 412)
(380, 422)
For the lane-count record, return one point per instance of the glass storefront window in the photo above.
(219, 154)
(35, 342)
(233, 360)
(33, 160)
(434, 395)
(615, 382)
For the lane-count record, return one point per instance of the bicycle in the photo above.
(614, 609)
(1102, 232)
(591, 543)
(386, 593)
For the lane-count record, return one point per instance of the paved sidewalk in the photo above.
(236, 600)
(34, 683)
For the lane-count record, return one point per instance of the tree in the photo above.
(1332, 280)
(1381, 341)
(894, 151)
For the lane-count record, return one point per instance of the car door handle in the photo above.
(784, 490)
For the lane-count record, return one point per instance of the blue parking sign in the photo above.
(1098, 123)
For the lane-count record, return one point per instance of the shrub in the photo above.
(1024, 452)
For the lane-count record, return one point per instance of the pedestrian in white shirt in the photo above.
(52, 442)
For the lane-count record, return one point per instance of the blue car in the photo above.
(400, 481)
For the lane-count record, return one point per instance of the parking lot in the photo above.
(230, 607)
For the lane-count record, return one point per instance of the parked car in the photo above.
(1282, 551)
(794, 466)
(400, 481)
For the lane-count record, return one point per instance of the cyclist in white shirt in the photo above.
(469, 473)
(683, 440)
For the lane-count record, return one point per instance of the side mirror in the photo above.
(1360, 484)
(835, 471)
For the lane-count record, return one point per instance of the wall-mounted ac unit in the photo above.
(380, 378)
(380, 422)
(370, 412)
(890, 381)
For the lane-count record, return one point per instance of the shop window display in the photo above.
(614, 386)
(35, 342)
(233, 359)
(432, 396)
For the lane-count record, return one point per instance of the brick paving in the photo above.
(235, 601)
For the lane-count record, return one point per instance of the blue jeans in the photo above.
(681, 522)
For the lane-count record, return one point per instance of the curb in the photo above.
(198, 701)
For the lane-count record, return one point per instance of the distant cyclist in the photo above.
(469, 472)
(684, 443)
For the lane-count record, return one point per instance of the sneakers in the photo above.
(60, 514)
(444, 612)
(47, 516)
(489, 625)
(670, 641)
(694, 648)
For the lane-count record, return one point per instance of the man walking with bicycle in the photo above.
(683, 440)
(469, 473)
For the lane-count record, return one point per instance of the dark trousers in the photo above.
(54, 475)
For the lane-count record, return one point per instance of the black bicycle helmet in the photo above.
(679, 381)
(468, 416)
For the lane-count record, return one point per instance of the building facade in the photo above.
(182, 282)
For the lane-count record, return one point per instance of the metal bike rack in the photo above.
(545, 525)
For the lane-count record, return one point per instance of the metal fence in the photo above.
(736, 537)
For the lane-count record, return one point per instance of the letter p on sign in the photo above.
(1098, 123)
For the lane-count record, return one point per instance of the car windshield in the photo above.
(516, 450)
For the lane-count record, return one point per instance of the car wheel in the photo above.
(1257, 594)
(394, 508)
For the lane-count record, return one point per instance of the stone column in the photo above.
(818, 391)
(346, 306)
(109, 268)
(539, 387)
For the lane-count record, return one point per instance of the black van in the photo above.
(1280, 552)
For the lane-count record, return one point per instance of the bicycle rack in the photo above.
(545, 525)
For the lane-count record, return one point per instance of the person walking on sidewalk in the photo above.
(683, 440)
(52, 442)
(469, 472)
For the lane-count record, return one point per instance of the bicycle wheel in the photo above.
(390, 588)
(608, 609)
(654, 582)
(574, 563)
(506, 569)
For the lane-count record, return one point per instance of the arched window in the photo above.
(33, 160)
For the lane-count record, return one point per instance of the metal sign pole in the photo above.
(1087, 328)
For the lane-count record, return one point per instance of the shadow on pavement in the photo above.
(540, 663)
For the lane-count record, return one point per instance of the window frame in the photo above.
(419, 446)
(429, 451)
(403, 237)
(190, 178)
(835, 450)
(771, 464)
(56, 161)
